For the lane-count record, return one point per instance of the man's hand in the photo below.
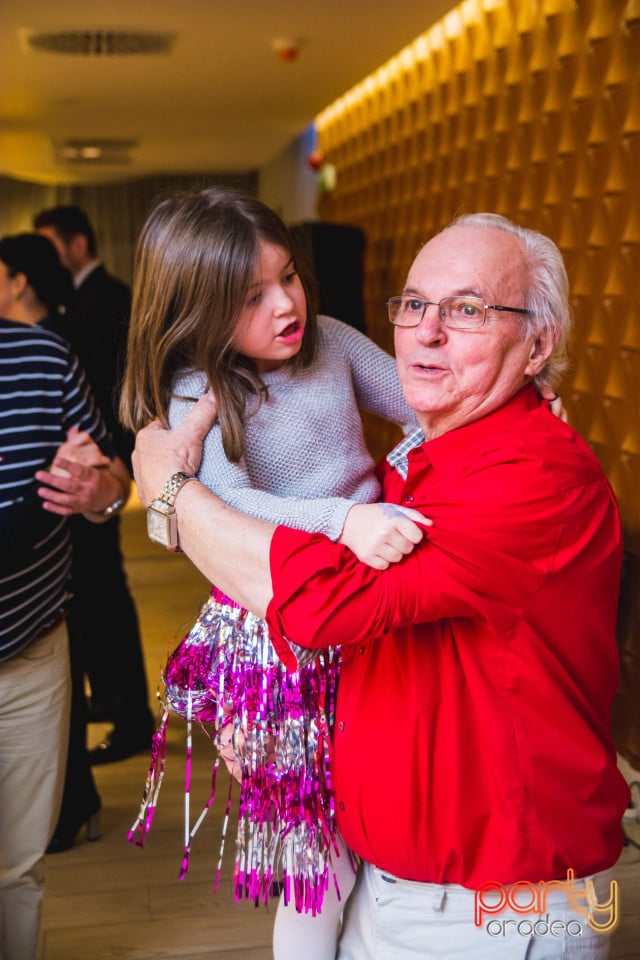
(80, 448)
(76, 488)
(382, 533)
(160, 452)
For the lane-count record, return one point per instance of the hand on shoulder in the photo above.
(161, 452)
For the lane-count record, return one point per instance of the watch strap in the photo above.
(173, 486)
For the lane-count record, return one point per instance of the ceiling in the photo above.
(221, 99)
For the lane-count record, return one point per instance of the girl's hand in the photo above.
(231, 741)
(556, 405)
(382, 533)
(231, 747)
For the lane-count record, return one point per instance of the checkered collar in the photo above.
(399, 456)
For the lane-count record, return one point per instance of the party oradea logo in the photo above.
(492, 899)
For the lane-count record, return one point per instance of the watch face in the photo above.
(159, 527)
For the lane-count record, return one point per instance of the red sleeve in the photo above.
(496, 537)
(323, 596)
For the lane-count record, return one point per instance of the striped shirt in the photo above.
(43, 393)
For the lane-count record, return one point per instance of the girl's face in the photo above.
(273, 319)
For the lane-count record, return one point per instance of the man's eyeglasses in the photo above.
(457, 313)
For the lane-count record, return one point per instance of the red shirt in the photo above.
(472, 730)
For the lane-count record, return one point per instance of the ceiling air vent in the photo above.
(99, 43)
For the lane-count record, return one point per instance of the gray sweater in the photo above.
(305, 461)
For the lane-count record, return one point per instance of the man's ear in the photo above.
(541, 350)
(19, 284)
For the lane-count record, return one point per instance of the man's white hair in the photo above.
(547, 294)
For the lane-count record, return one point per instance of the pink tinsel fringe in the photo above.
(225, 671)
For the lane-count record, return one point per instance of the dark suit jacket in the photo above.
(96, 326)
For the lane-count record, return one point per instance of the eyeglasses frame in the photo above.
(437, 303)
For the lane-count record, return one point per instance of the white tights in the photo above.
(298, 935)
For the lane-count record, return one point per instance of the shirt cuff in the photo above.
(293, 557)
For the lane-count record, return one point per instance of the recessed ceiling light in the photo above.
(100, 151)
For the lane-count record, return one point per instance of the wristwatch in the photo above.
(162, 522)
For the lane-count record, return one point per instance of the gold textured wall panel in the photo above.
(531, 109)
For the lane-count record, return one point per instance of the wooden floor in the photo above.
(112, 901)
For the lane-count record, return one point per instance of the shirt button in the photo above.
(341, 726)
(362, 650)
(340, 804)
(409, 499)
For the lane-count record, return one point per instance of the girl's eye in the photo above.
(254, 300)
(290, 277)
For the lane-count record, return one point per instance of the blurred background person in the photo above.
(44, 395)
(96, 325)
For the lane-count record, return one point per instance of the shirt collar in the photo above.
(398, 458)
(523, 401)
(80, 277)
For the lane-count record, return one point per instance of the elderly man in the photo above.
(473, 767)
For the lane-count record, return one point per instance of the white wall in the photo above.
(288, 184)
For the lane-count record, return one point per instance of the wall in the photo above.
(530, 109)
(287, 184)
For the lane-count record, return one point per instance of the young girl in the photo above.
(219, 303)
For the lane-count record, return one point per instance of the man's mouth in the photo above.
(428, 367)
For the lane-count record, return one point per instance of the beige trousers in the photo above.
(35, 692)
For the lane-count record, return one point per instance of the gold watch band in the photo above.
(172, 487)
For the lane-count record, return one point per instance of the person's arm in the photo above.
(500, 533)
(378, 535)
(85, 475)
(375, 376)
(71, 487)
(382, 533)
(230, 548)
(374, 386)
(232, 483)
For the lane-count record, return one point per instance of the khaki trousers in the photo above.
(34, 723)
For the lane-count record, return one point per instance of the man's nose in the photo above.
(431, 328)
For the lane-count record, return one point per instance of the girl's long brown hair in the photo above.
(195, 260)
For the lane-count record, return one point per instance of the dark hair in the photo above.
(195, 261)
(36, 257)
(68, 220)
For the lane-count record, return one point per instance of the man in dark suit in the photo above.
(103, 619)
